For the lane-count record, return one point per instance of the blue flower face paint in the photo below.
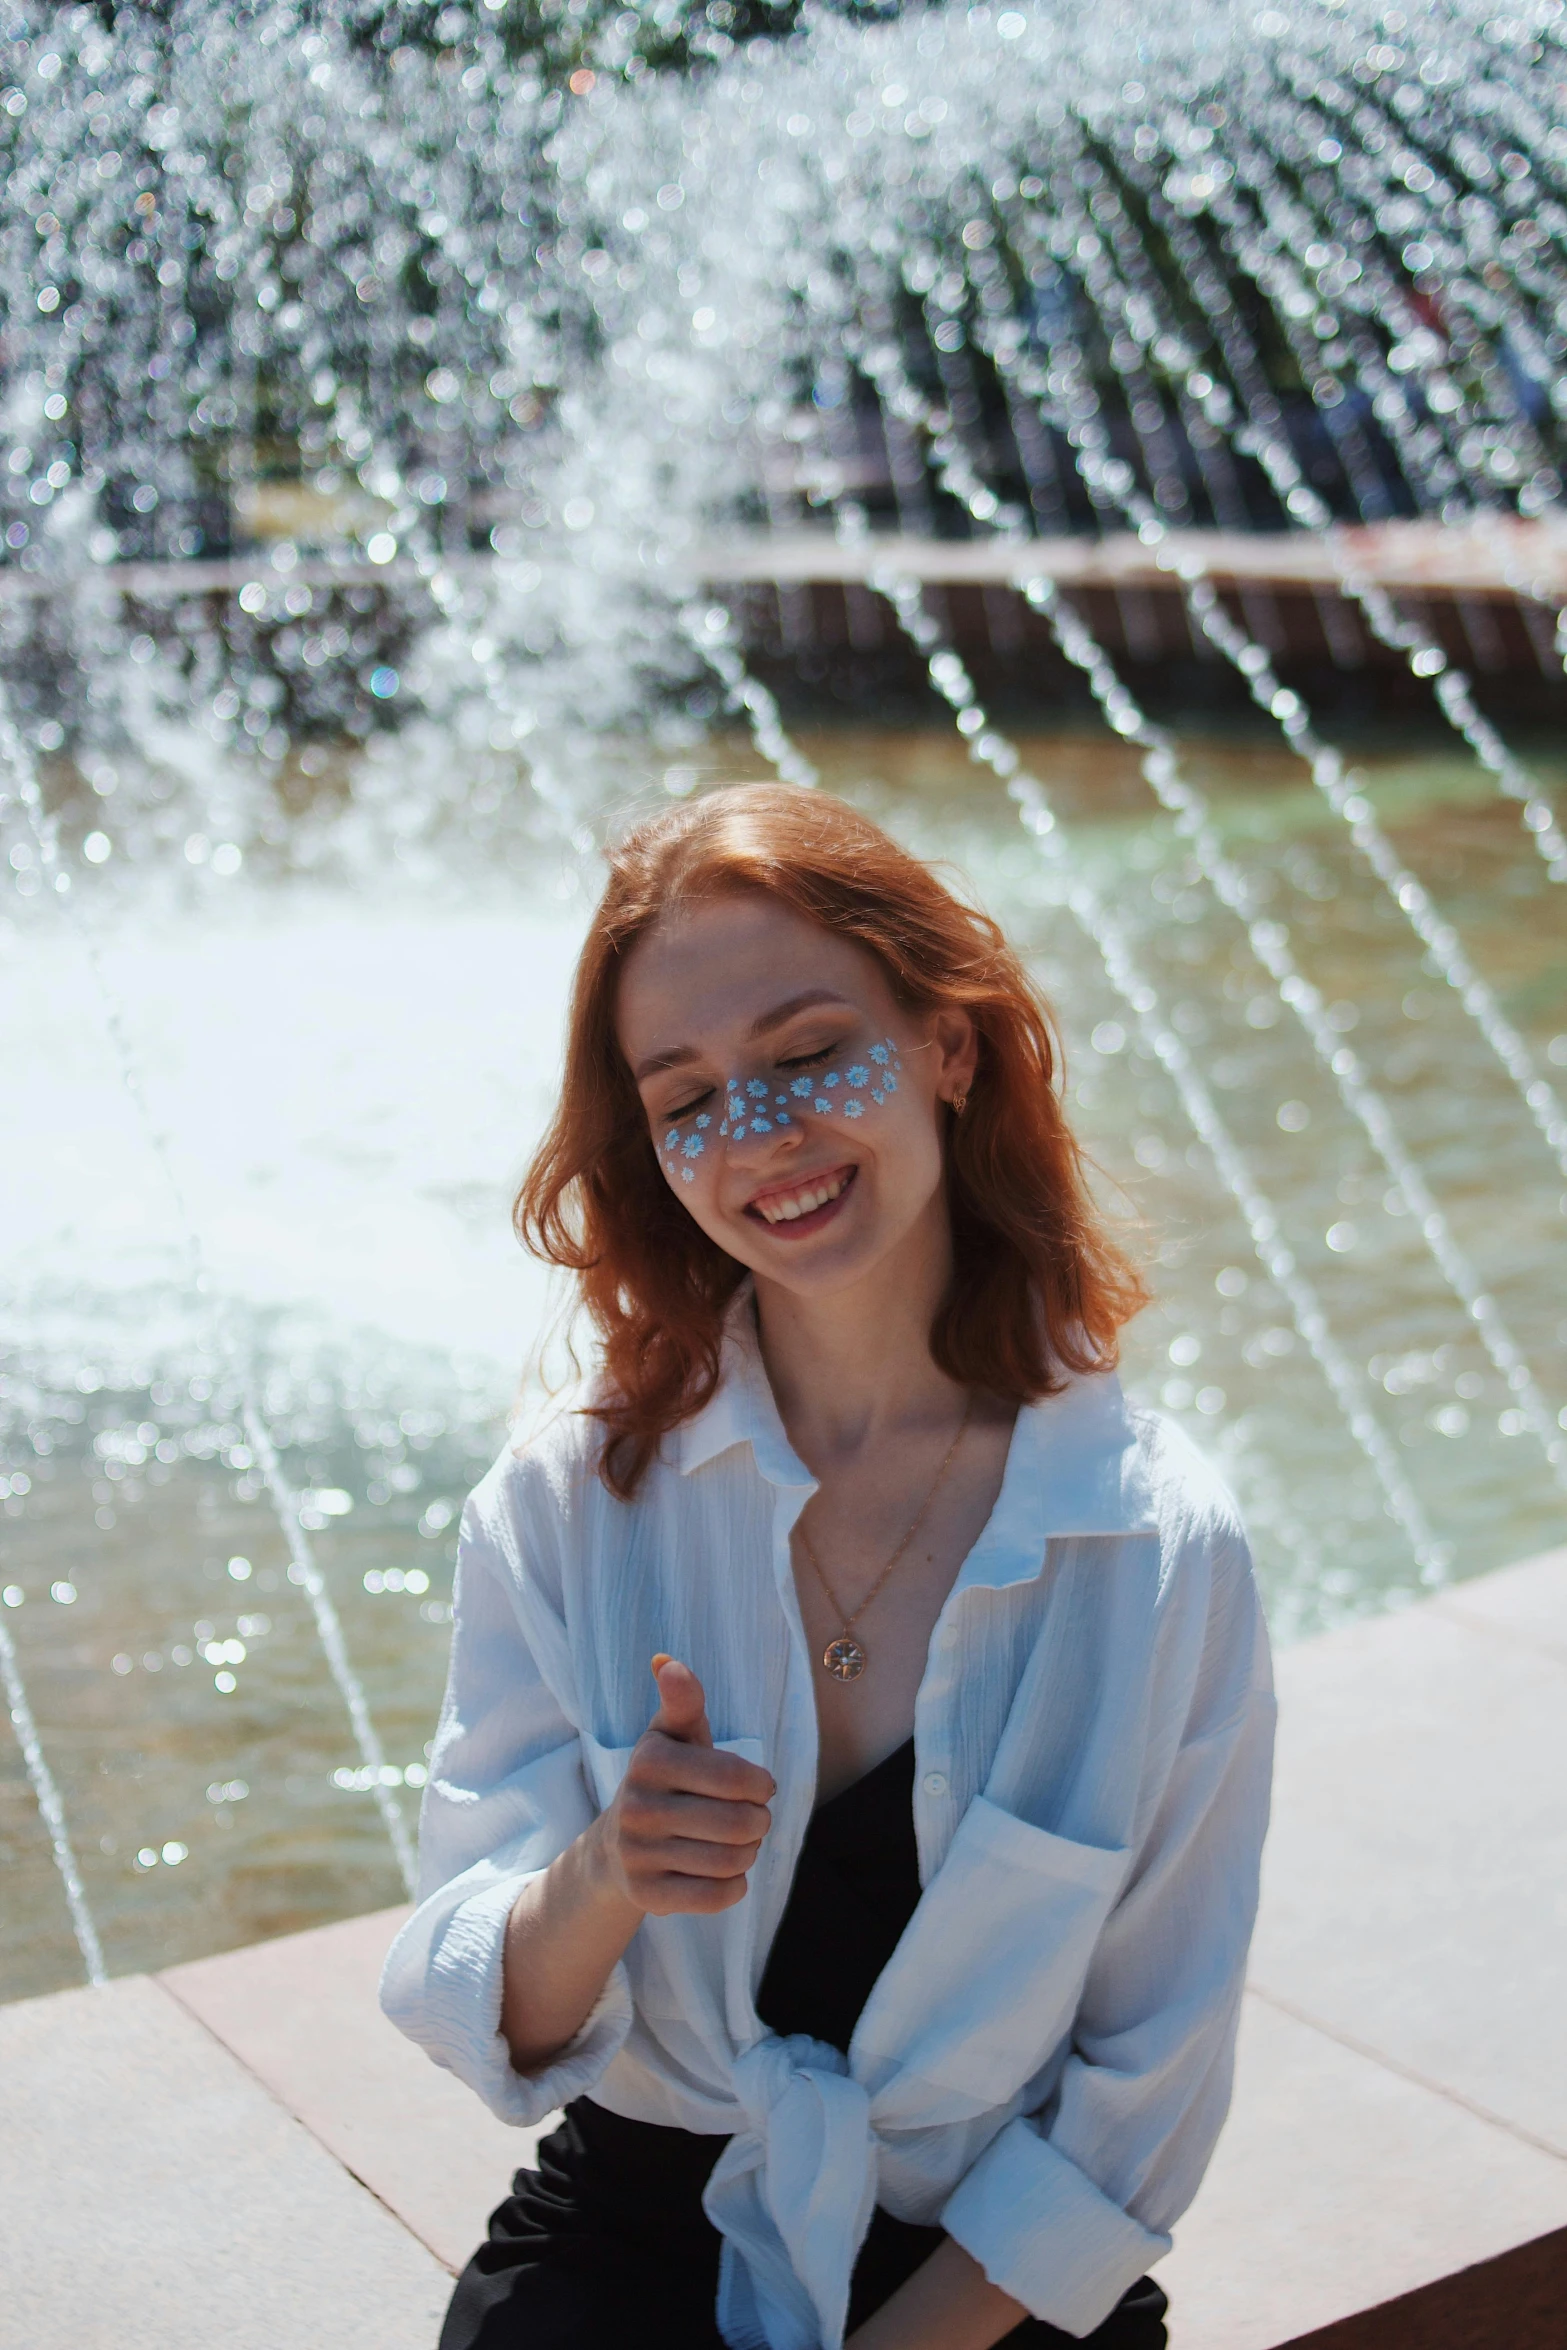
(753, 1107)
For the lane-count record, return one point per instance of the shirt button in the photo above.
(935, 1783)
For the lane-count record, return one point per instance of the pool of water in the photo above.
(347, 1077)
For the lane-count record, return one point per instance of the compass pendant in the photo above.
(845, 1659)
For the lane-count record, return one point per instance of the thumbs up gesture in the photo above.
(687, 1821)
(682, 1704)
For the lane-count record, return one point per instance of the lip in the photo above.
(797, 1227)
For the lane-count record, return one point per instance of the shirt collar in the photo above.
(741, 1408)
(1075, 1465)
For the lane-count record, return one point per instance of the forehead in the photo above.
(702, 976)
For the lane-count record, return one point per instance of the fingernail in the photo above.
(659, 1662)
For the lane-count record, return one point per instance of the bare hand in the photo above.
(687, 1821)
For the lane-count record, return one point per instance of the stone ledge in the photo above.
(156, 2197)
(300, 2014)
(1401, 2097)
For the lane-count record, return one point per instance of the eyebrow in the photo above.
(764, 1025)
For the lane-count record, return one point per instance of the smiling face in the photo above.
(794, 1106)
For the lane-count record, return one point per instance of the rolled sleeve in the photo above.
(442, 1986)
(1043, 2232)
(506, 1796)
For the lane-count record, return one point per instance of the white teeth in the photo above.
(786, 1211)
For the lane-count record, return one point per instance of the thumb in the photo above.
(682, 1703)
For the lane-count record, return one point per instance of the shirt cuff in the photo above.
(452, 2007)
(1043, 2232)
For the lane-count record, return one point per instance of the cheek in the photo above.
(852, 1091)
(908, 1149)
(685, 1152)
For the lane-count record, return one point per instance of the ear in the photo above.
(956, 1042)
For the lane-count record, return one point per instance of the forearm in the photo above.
(947, 2304)
(680, 1835)
(567, 1929)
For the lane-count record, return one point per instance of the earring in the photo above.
(959, 1103)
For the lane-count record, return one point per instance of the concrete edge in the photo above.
(1404, 2072)
(336, 2154)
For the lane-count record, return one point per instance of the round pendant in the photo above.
(845, 1659)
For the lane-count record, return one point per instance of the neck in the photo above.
(849, 1368)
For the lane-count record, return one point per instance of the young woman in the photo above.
(884, 1942)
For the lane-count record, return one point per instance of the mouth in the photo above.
(793, 1209)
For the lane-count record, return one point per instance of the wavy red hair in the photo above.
(1039, 1287)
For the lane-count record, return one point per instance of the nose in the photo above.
(760, 1119)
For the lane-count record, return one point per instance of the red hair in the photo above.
(1039, 1288)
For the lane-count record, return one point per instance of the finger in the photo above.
(692, 1896)
(682, 1703)
(668, 1763)
(649, 1816)
(676, 1856)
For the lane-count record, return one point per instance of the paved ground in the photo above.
(1401, 2109)
(240, 2152)
(157, 2197)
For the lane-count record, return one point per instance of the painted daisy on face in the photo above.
(756, 1089)
(854, 1109)
(692, 1147)
(858, 1074)
(879, 1054)
(704, 1120)
(761, 1125)
(831, 1079)
(671, 1138)
(801, 1087)
(821, 1108)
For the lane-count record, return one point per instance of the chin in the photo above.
(837, 1262)
(832, 1270)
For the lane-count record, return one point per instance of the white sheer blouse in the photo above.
(1043, 2067)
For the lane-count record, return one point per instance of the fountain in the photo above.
(426, 434)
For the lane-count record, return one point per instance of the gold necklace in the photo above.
(845, 1657)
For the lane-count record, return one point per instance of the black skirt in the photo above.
(606, 2245)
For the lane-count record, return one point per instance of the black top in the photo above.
(854, 1891)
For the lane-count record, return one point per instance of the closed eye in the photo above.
(686, 1108)
(809, 1060)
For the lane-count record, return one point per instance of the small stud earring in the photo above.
(959, 1102)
